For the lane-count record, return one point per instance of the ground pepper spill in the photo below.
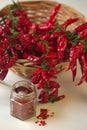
(43, 116)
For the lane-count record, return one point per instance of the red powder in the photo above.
(44, 114)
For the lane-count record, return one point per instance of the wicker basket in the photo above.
(39, 12)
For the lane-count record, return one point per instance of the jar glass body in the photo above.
(23, 100)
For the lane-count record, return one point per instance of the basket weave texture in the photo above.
(39, 12)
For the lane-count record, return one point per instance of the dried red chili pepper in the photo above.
(54, 12)
(84, 70)
(51, 55)
(24, 40)
(5, 43)
(52, 63)
(42, 46)
(33, 58)
(41, 84)
(73, 69)
(52, 73)
(8, 23)
(61, 97)
(54, 84)
(45, 75)
(83, 34)
(37, 72)
(61, 46)
(8, 60)
(3, 74)
(35, 79)
(57, 34)
(33, 28)
(81, 27)
(45, 36)
(12, 59)
(43, 97)
(75, 51)
(54, 94)
(23, 23)
(45, 26)
(69, 22)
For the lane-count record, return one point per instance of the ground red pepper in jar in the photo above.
(23, 100)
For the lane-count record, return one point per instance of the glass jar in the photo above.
(23, 100)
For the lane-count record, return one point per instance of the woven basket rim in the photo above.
(39, 1)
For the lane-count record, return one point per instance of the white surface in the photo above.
(70, 113)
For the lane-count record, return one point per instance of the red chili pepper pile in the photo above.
(46, 45)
